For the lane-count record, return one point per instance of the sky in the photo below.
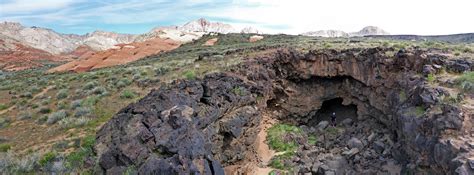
(422, 17)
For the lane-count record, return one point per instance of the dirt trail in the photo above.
(263, 152)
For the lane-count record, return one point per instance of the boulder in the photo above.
(355, 143)
(322, 125)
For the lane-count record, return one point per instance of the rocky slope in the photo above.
(121, 54)
(15, 56)
(203, 126)
(39, 38)
(366, 31)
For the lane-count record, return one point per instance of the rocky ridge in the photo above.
(205, 125)
(57, 43)
(366, 31)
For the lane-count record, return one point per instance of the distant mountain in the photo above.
(327, 33)
(203, 25)
(369, 30)
(39, 38)
(250, 30)
(102, 40)
(15, 56)
(99, 48)
(56, 43)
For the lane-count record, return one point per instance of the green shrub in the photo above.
(67, 123)
(4, 147)
(127, 94)
(238, 91)
(82, 111)
(75, 104)
(62, 105)
(77, 158)
(47, 158)
(90, 85)
(99, 91)
(62, 94)
(466, 82)
(402, 96)
(46, 101)
(277, 137)
(26, 95)
(431, 78)
(44, 110)
(312, 140)
(55, 117)
(280, 161)
(3, 107)
(90, 101)
(24, 115)
(190, 75)
(4, 122)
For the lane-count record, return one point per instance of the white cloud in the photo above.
(29, 6)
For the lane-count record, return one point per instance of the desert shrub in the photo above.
(47, 158)
(62, 94)
(4, 147)
(3, 106)
(13, 164)
(76, 103)
(67, 123)
(136, 76)
(42, 119)
(46, 101)
(34, 106)
(123, 83)
(99, 91)
(190, 75)
(35, 89)
(282, 161)
(430, 78)
(127, 94)
(90, 85)
(24, 116)
(90, 101)
(161, 70)
(466, 82)
(77, 158)
(4, 122)
(82, 111)
(238, 91)
(62, 105)
(44, 110)
(26, 95)
(56, 116)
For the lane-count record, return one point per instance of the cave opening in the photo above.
(334, 105)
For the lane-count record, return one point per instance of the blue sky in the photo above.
(271, 16)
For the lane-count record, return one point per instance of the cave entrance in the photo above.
(334, 105)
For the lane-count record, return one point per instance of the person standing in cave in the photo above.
(333, 119)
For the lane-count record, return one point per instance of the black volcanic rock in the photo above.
(199, 127)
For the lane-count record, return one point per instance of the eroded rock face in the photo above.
(201, 126)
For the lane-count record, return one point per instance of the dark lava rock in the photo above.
(199, 127)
